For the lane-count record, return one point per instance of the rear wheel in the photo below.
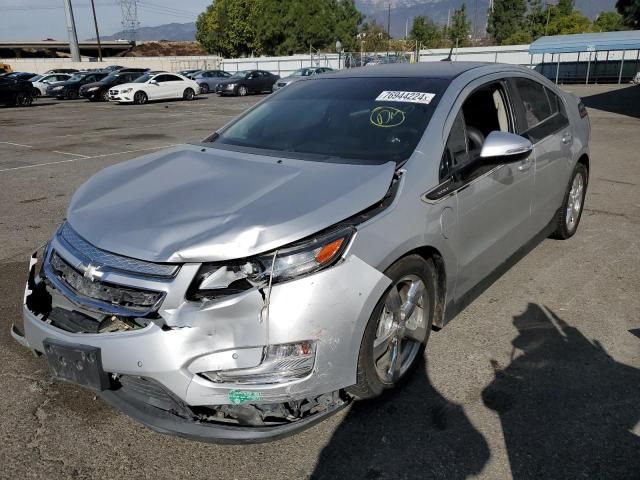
(398, 329)
(140, 98)
(571, 211)
(204, 88)
(189, 94)
(242, 91)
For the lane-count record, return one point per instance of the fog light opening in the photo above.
(280, 363)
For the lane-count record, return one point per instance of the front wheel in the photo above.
(189, 94)
(571, 211)
(242, 91)
(72, 95)
(140, 98)
(398, 329)
(104, 96)
(204, 88)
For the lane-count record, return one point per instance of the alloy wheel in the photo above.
(575, 201)
(204, 88)
(242, 90)
(402, 328)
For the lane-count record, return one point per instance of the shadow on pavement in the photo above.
(566, 407)
(414, 433)
(625, 101)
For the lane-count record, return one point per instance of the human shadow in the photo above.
(624, 101)
(567, 408)
(415, 433)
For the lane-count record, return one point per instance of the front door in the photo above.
(493, 202)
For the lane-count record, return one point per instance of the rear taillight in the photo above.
(582, 109)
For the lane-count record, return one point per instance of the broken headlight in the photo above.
(302, 258)
(280, 363)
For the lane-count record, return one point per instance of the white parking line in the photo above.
(84, 157)
(72, 154)
(17, 144)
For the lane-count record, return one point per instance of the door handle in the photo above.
(567, 138)
(525, 165)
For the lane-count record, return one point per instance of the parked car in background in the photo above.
(22, 75)
(149, 87)
(209, 79)
(248, 286)
(70, 89)
(247, 81)
(62, 70)
(113, 68)
(42, 82)
(99, 91)
(299, 74)
(189, 73)
(15, 92)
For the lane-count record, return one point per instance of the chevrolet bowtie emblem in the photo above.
(92, 272)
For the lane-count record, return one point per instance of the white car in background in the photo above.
(155, 86)
(41, 82)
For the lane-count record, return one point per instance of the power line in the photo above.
(130, 21)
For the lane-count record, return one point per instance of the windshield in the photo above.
(144, 78)
(302, 72)
(241, 74)
(77, 76)
(36, 78)
(373, 120)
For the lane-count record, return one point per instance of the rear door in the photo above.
(542, 118)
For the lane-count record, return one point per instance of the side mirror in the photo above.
(153, 82)
(505, 147)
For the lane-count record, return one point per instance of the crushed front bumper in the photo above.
(330, 308)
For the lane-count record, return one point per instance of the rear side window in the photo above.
(543, 111)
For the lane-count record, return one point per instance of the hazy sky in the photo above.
(40, 19)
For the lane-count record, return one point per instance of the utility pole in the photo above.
(546, 27)
(475, 22)
(389, 30)
(71, 29)
(95, 22)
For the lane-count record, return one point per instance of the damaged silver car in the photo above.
(248, 286)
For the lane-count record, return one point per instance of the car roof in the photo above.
(443, 70)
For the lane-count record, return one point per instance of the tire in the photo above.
(570, 213)
(104, 96)
(189, 94)
(370, 382)
(204, 88)
(22, 100)
(72, 95)
(140, 98)
(242, 91)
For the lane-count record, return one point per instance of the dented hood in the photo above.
(190, 204)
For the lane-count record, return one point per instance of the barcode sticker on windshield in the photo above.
(409, 97)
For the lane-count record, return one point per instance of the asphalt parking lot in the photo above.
(540, 377)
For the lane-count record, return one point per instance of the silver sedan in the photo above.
(248, 286)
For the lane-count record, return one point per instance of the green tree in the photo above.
(460, 27)
(568, 24)
(506, 19)
(426, 31)
(275, 27)
(227, 27)
(565, 7)
(608, 22)
(536, 19)
(630, 11)
(374, 37)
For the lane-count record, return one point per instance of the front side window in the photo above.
(544, 112)
(368, 120)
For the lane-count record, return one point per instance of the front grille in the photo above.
(103, 294)
(95, 256)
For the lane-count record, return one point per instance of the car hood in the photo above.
(228, 81)
(87, 86)
(191, 204)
